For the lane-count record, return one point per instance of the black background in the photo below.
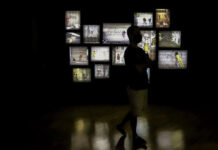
(48, 78)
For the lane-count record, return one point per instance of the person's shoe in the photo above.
(121, 130)
(140, 140)
(141, 146)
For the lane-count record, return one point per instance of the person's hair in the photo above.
(134, 34)
(131, 30)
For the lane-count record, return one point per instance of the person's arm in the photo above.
(140, 67)
(131, 60)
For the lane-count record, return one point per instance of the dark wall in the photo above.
(50, 74)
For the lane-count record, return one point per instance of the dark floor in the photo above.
(93, 128)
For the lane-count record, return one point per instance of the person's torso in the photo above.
(132, 57)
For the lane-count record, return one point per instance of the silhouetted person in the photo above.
(137, 62)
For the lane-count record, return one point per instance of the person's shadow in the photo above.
(120, 144)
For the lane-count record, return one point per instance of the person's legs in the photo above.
(138, 103)
(138, 142)
(126, 119)
(128, 116)
(133, 123)
(135, 104)
(120, 127)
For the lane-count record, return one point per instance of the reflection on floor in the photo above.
(93, 128)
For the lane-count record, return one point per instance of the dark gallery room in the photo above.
(119, 76)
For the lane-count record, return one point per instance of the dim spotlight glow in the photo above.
(101, 139)
(80, 141)
(101, 143)
(170, 140)
(101, 128)
(80, 125)
(142, 127)
(178, 140)
(80, 137)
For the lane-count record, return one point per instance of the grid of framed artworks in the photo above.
(105, 45)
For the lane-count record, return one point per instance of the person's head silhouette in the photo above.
(134, 35)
